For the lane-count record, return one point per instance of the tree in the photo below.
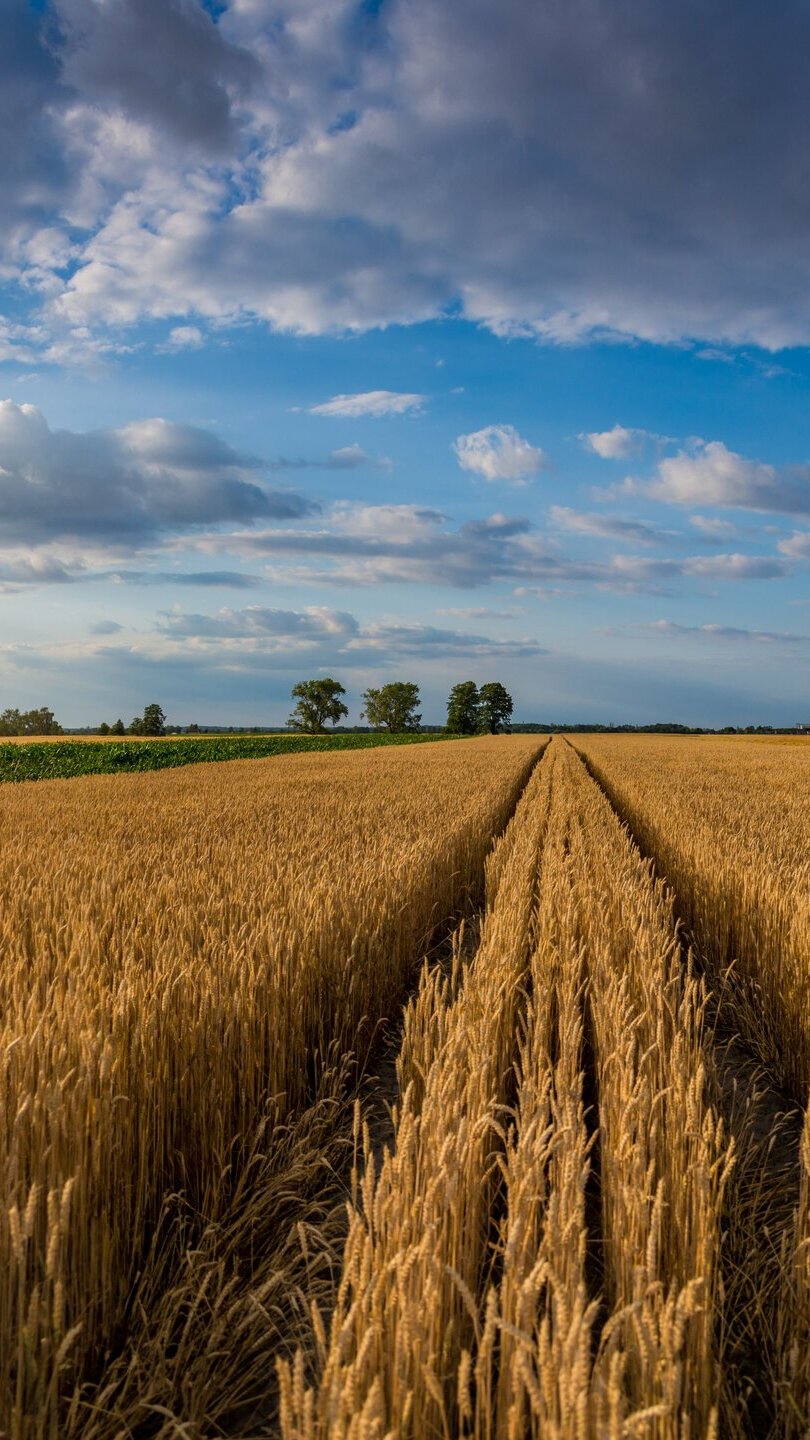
(117, 728)
(104, 728)
(154, 721)
(393, 706)
(11, 722)
(495, 708)
(318, 701)
(462, 709)
(29, 722)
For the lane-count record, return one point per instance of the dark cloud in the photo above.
(33, 167)
(603, 167)
(404, 544)
(163, 63)
(124, 487)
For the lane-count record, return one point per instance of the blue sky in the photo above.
(405, 340)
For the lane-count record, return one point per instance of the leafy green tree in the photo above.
(317, 702)
(463, 709)
(11, 722)
(154, 721)
(29, 722)
(117, 728)
(495, 708)
(135, 726)
(393, 706)
(104, 728)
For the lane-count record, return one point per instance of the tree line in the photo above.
(29, 722)
(395, 707)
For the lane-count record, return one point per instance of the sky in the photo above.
(405, 339)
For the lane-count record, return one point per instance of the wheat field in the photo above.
(447, 1091)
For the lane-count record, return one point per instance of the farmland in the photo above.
(49, 758)
(450, 1090)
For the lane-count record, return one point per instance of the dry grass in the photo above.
(189, 962)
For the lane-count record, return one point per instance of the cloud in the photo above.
(124, 487)
(732, 633)
(713, 527)
(184, 337)
(498, 452)
(797, 545)
(346, 457)
(257, 622)
(311, 167)
(21, 569)
(475, 612)
(354, 457)
(711, 474)
(630, 531)
(258, 632)
(163, 64)
(369, 402)
(193, 579)
(615, 444)
(106, 627)
(407, 544)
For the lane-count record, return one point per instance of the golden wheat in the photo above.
(441, 1327)
(187, 961)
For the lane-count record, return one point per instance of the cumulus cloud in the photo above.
(498, 452)
(797, 545)
(123, 57)
(124, 487)
(369, 402)
(317, 166)
(711, 474)
(615, 444)
(184, 337)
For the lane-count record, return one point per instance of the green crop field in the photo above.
(64, 759)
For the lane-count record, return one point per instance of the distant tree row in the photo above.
(394, 707)
(152, 722)
(29, 722)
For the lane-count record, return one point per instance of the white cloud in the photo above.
(369, 402)
(615, 444)
(498, 452)
(797, 545)
(185, 337)
(711, 474)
